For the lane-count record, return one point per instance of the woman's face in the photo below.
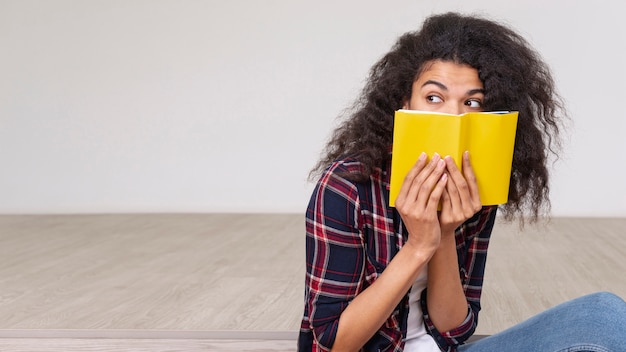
(447, 87)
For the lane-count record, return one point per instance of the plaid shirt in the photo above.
(351, 236)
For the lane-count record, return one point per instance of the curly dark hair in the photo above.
(514, 78)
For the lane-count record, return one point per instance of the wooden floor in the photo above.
(234, 282)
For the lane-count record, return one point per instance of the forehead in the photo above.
(450, 73)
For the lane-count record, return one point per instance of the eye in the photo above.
(434, 99)
(473, 103)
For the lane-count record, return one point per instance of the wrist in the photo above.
(446, 247)
(421, 252)
(447, 234)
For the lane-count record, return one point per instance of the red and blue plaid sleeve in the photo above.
(472, 243)
(335, 254)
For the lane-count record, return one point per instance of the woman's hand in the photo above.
(417, 204)
(460, 200)
(418, 200)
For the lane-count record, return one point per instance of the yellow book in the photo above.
(488, 136)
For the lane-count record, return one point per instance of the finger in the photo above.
(431, 182)
(417, 182)
(446, 205)
(453, 193)
(462, 191)
(470, 178)
(435, 196)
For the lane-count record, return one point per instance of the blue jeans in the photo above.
(592, 323)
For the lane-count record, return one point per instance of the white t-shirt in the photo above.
(417, 339)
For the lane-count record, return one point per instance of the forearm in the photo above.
(447, 304)
(371, 308)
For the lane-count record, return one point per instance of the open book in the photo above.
(488, 136)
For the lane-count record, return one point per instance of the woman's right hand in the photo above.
(418, 201)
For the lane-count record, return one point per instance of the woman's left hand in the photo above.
(460, 200)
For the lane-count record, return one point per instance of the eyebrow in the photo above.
(443, 86)
(438, 84)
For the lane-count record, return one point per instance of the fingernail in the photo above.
(422, 156)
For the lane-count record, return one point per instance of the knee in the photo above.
(605, 306)
(606, 299)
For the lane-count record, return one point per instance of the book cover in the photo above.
(488, 136)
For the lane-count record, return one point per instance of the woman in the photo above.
(409, 278)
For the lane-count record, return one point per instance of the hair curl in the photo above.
(514, 78)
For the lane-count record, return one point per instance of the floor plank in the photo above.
(144, 345)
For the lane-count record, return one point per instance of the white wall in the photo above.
(223, 106)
